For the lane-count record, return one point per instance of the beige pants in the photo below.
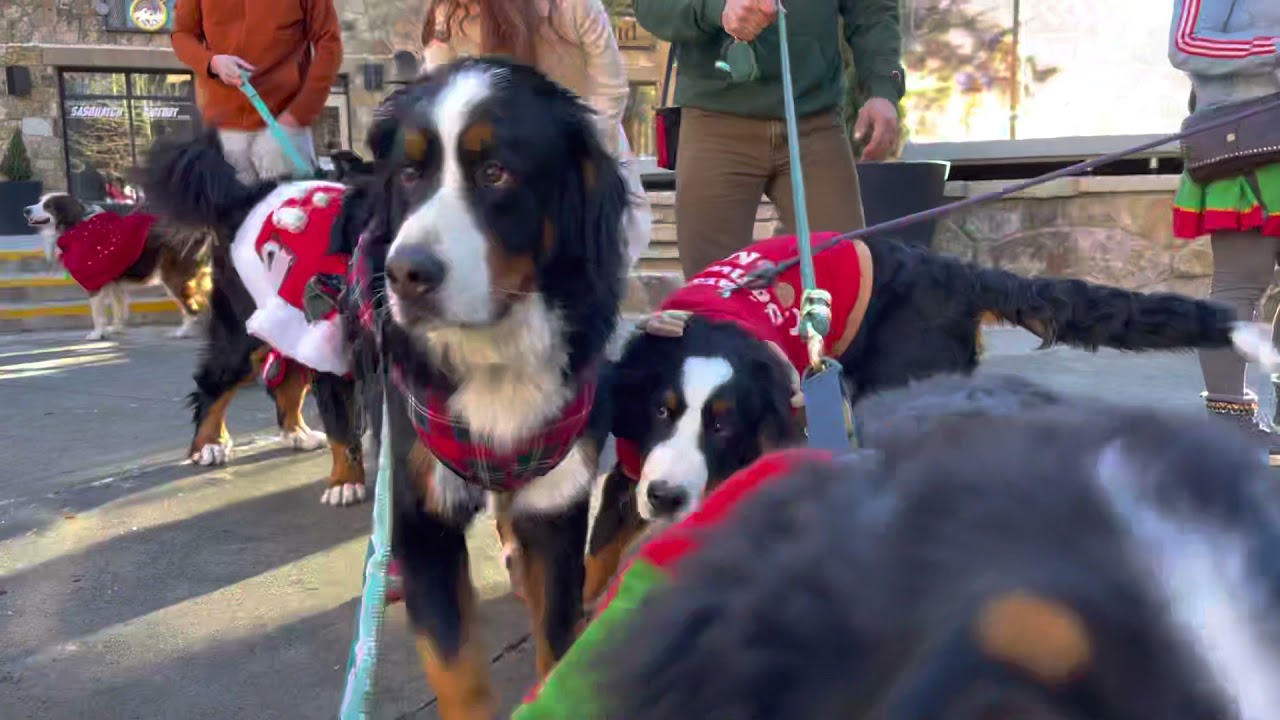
(257, 156)
(727, 162)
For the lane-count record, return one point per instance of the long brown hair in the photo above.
(507, 27)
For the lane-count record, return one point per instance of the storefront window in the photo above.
(332, 130)
(637, 119)
(110, 121)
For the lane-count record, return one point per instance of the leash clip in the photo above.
(761, 277)
(815, 323)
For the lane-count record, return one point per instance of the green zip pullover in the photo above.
(871, 28)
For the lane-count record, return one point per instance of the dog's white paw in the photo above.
(304, 439)
(212, 454)
(115, 329)
(96, 335)
(342, 495)
(181, 332)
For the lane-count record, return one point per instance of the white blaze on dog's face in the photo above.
(676, 470)
(465, 254)
(441, 240)
(55, 211)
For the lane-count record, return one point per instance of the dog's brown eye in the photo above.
(494, 175)
(662, 412)
(719, 428)
(410, 176)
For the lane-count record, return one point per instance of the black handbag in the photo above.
(666, 121)
(1236, 148)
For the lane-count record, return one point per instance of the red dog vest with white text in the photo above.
(773, 314)
(98, 250)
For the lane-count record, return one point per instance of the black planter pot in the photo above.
(14, 197)
(891, 190)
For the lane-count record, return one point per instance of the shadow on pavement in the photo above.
(296, 670)
(134, 574)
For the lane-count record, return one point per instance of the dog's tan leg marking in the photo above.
(212, 443)
(534, 571)
(189, 287)
(1039, 635)
(290, 396)
(463, 690)
(603, 564)
(346, 480)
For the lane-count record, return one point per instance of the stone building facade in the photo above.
(104, 81)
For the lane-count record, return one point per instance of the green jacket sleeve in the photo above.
(680, 20)
(873, 30)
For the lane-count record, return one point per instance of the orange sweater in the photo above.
(295, 47)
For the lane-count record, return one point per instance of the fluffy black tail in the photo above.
(1090, 316)
(192, 184)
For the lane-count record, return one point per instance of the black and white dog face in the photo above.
(55, 212)
(698, 408)
(503, 202)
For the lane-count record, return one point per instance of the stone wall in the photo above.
(1113, 230)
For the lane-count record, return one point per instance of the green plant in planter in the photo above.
(16, 165)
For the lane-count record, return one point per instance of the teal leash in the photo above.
(304, 169)
(358, 692)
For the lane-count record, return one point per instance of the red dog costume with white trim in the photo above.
(99, 249)
(282, 245)
(773, 314)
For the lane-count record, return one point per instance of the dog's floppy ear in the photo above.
(772, 375)
(1025, 646)
(66, 211)
(586, 251)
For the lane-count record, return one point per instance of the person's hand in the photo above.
(745, 19)
(228, 67)
(877, 126)
(287, 119)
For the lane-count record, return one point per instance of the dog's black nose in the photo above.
(414, 270)
(666, 498)
(26, 212)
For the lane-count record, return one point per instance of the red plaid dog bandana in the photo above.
(449, 438)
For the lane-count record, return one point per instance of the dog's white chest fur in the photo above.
(511, 374)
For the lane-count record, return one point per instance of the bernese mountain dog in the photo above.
(108, 253)
(488, 279)
(281, 253)
(706, 394)
(1005, 553)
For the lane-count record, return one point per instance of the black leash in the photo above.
(766, 273)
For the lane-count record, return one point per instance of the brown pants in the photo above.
(727, 162)
(1243, 265)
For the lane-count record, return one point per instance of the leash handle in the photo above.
(302, 167)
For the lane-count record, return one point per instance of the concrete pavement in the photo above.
(132, 586)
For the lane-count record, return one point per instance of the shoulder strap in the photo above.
(666, 77)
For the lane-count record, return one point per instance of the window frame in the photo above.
(128, 98)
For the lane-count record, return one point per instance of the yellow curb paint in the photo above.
(21, 255)
(35, 311)
(35, 281)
